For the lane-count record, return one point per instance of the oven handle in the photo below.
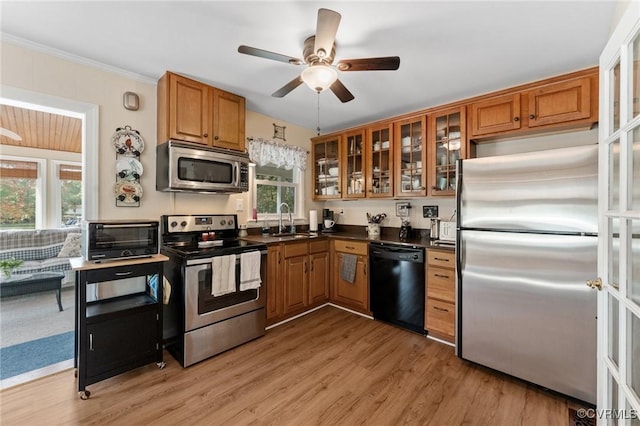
(192, 262)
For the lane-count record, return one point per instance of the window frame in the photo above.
(298, 183)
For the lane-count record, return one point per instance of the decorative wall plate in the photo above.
(127, 141)
(127, 192)
(129, 168)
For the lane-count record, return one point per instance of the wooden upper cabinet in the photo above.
(183, 109)
(353, 164)
(192, 111)
(410, 156)
(494, 115)
(327, 167)
(560, 102)
(228, 120)
(379, 157)
(563, 102)
(447, 144)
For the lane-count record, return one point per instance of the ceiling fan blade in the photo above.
(341, 92)
(280, 93)
(390, 63)
(248, 50)
(326, 30)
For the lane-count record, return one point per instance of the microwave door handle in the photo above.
(236, 174)
(132, 225)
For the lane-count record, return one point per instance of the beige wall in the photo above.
(50, 74)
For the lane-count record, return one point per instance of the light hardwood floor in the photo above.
(329, 367)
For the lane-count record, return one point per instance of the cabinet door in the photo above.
(319, 277)
(326, 168)
(447, 144)
(560, 102)
(188, 110)
(295, 283)
(440, 318)
(379, 147)
(410, 157)
(353, 155)
(355, 294)
(228, 120)
(125, 340)
(499, 114)
(275, 283)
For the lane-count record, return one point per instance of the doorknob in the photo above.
(597, 283)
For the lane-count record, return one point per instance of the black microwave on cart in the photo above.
(105, 240)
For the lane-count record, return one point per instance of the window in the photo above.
(70, 184)
(18, 188)
(37, 193)
(273, 186)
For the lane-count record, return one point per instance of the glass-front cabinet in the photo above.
(410, 157)
(326, 168)
(380, 161)
(353, 153)
(447, 144)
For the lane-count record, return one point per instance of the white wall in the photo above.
(56, 74)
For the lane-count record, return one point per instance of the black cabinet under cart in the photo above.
(118, 317)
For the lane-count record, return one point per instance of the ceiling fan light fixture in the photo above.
(319, 77)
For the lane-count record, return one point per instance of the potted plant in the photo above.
(8, 265)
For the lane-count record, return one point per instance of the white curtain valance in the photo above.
(263, 152)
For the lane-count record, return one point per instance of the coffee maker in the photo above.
(328, 221)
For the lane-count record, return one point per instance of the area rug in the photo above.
(35, 354)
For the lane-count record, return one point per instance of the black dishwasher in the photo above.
(397, 285)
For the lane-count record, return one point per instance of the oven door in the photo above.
(203, 308)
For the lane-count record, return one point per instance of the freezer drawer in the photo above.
(525, 310)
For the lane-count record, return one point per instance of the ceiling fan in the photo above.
(318, 53)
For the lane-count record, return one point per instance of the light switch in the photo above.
(239, 205)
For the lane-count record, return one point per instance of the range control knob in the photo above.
(126, 253)
(230, 222)
(174, 224)
(183, 223)
(223, 222)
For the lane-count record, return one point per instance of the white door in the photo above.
(619, 225)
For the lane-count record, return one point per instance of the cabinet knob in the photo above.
(216, 138)
(206, 135)
(516, 118)
(531, 116)
(423, 188)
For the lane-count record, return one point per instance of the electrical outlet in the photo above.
(239, 205)
(429, 211)
(341, 211)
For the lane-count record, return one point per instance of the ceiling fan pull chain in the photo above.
(318, 128)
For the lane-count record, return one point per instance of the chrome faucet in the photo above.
(280, 227)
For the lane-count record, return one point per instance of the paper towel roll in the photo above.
(313, 220)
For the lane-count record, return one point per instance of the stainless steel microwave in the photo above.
(119, 239)
(184, 166)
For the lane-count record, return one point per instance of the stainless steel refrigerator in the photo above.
(526, 244)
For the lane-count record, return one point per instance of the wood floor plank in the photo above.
(329, 367)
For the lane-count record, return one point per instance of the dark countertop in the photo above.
(351, 234)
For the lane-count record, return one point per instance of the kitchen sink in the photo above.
(290, 235)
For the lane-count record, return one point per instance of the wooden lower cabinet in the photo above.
(297, 278)
(440, 305)
(353, 295)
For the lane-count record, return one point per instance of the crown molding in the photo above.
(31, 45)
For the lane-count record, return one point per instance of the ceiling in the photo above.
(449, 50)
(38, 129)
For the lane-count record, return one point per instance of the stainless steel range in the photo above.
(203, 319)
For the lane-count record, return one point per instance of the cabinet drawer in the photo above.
(441, 317)
(318, 246)
(441, 284)
(352, 247)
(297, 249)
(442, 259)
(121, 272)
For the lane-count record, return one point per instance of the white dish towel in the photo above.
(250, 270)
(223, 275)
